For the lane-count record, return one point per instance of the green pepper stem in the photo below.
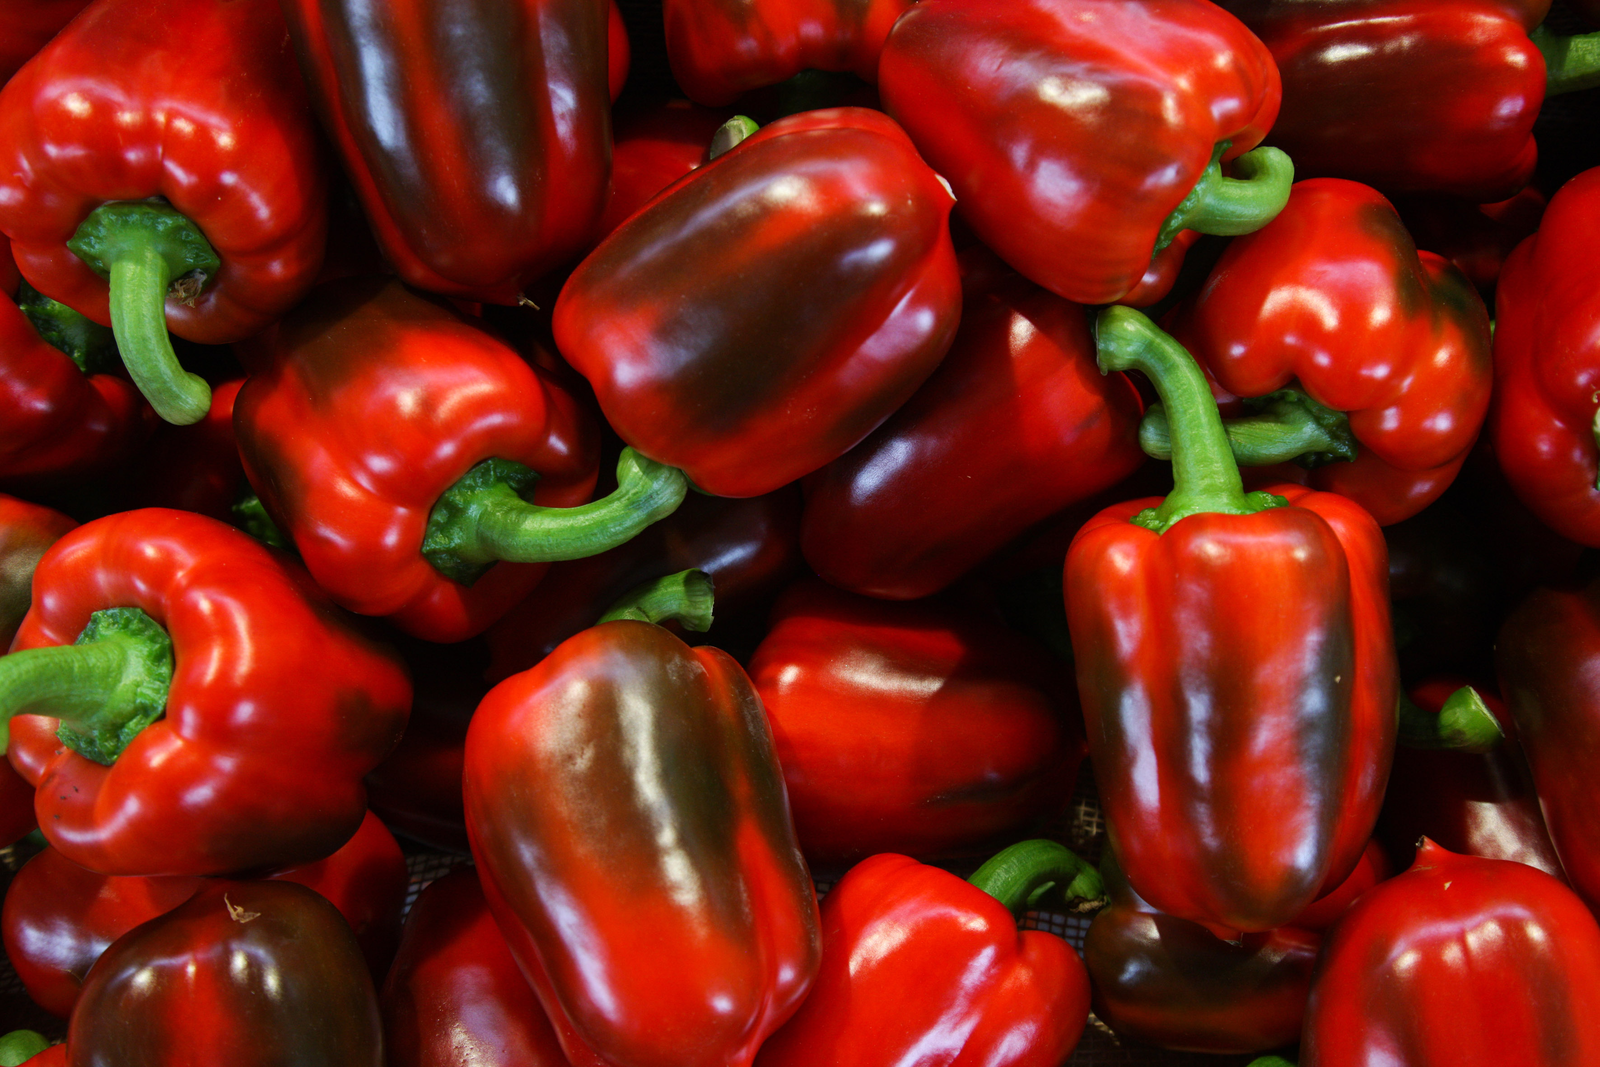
(685, 598)
(1205, 476)
(105, 688)
(20, 1046)
(1228, 207)
(1287, 426)
(729, 135)
(141, 247)
(1570, 63)
(482, 519)
(1020, 875)
(1464, 724)
(1271, 1061)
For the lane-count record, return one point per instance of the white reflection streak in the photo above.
(583, 947)
(683, 881)
(952, 1031)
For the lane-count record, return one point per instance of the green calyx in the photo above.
(1205, 475)
(149, 252)
(90, 344)
(1570, 63)
(1464, 724)
(250, 515)
(1285, 426)
(1029, 873)
(729, 135)
(485, 517)
(105, 687)
(685, 598)
(1232, 206)
(20, 1046)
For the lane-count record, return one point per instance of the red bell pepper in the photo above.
(1332, 301)
(655, 142)
(921, 968)
(1081, 136)
(719, 50)
(650, 886)
(202, 682)
(58, 918)
(393, 440)
(920, 728)
(1547, 365)
(455, 996)
(245, 973)
(29, 28)
(478, 137)
(1236, 668)
(1477, 238)
(824, 291)
(1016, 424)
(195, 467)
(1462, 961)
(173, 153)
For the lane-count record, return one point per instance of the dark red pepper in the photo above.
(26, 531)
(29, 28)
(195, 467)
(655, 143)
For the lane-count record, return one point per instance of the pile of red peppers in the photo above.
(747, 484)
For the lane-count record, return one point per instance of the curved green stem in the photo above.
(104, 688)
(730, 134)
(20, 1046)
(1570, 63)
(1229, 207)
(1022, 874)
(1205, 477)
(89, 344)
(145, 248)
(1287, 426)
(685, 598)
(1464, 724)
(483, 519)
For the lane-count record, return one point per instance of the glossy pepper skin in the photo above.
(1332, 296)
(477, 136)
(276, 707)
(1545, 657)
(172, 991)
(1471, 80)
(719, 50)
(655, 142)
(658, 842)
(1460, 961)
(826, 291)
(208, 114)
(1071, 130)
(58, 918)
(921, 728)
(1016, 424)
(376, 400)
(1237, 671)
(1547, 365)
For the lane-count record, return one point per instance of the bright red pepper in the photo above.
(720, 50)
(1332, 299)
(173, 990)
(477, 136)
(824, 291)
(920, 728)
(657, 843)
(1236, 668)
(1459, 961)
(1547, 365)
(391, 438)
(151, 146)
(1075, 131)
(1016, 424)
(923, 969)
(246, 709)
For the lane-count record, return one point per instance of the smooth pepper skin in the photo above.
(921, 968)
(1460, 961)
(29, 28)
(1015, 425)
(919, 728)
(375, 401)
(1547, 365)
(1546, 655)
(1470, 80)
(1071, 129)
(203, 107)
(276, 709)
(477, 135)
(258, 974)
(722, 48)
(649, 883)
(1333, 295)
(825, 291)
